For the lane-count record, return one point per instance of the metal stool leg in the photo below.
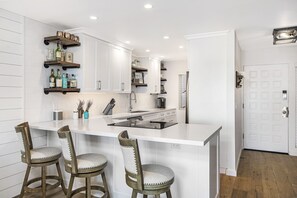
(134, 194)
(105, 185)
(88, 187)
(157, 196)
(60, 175)
(69, 191)
(168, 193)
(43, 183)
(144, 196)
(25, 181)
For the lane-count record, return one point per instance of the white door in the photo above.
(265, 128)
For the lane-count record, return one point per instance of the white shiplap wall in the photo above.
(11, 101)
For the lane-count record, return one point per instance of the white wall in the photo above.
(282, 54)
(211, 59)
(174, 68)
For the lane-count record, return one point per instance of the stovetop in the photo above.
(144, 124)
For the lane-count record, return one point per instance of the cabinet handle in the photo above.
(123, 86)
(99, 85)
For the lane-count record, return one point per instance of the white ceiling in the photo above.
(124, 20)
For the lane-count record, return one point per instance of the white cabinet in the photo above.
(120, 64)
(87, 56)
(103, 70)
(104, 67)
(154, 76)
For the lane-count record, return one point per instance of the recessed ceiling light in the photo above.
(128, 42)
(166, 37)
(147, 50)
(148, 6)
(181, 47)
(161, 56)
(93, 18)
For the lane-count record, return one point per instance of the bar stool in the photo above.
(38, 157)
(82, 166)
(147, 179)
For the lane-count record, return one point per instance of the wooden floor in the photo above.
(262, 174)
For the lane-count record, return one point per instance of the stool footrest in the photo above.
(39, 189)
(99, 188)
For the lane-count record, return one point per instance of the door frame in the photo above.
(292, 88)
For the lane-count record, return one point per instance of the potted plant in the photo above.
(80, 108)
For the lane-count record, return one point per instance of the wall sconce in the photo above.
(239, 79)
(284, 35)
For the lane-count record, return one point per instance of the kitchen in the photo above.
(134, 71)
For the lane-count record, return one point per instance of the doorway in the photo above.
(266, 108)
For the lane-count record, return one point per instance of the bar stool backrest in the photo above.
(132, 161)
(25, 141)
(68, 150)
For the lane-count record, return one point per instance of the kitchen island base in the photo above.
(196, 168)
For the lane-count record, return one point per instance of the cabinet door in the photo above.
(89, 63)
(126, 71)
(115, 66)
(103, 69)
(154, 76)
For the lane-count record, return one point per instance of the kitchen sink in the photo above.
(138, 111)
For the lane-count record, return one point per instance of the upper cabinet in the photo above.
(105, 67)
(154, 76)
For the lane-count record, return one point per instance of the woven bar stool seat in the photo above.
(147, 179)
(155, 175)
(45, 154)
(82, 166)
(38, 157)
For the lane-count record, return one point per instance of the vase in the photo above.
(86, 115)
(80, 113)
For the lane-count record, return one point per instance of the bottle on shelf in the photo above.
(68, 80)
(58, 52)
(52, 79)
(73, 82)
(59, 79)
(64, 81)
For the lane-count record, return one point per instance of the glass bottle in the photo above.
(59, 79)
(73, 82)
(64, 81)
(68, 80)
(58, 52)
(52, 79)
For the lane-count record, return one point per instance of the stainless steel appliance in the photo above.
(187, 98)
(161, 102)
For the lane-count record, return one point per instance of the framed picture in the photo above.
(69, 57)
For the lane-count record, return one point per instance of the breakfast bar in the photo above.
(190, 150)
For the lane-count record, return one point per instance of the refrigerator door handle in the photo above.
(187, 98)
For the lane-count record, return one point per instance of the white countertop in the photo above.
(187, 134)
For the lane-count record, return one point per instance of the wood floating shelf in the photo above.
(61, 90)
(139, 84)
(163, 93)
(163, 69)
(64, 65)
(63, 41)
(163, 79)
(139, 69)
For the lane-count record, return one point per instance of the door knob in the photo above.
(285, 112)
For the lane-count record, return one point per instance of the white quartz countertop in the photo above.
(187, 134)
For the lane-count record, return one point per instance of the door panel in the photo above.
(264, 126)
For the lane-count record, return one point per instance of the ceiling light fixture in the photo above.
(127, 42)
(166, 37)
(147, 50)
(181, 47)
(284, 35)
(93, 18)
(148, 6)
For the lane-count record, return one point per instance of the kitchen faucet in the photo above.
(132, 92)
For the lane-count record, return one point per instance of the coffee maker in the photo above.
(161, 102)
